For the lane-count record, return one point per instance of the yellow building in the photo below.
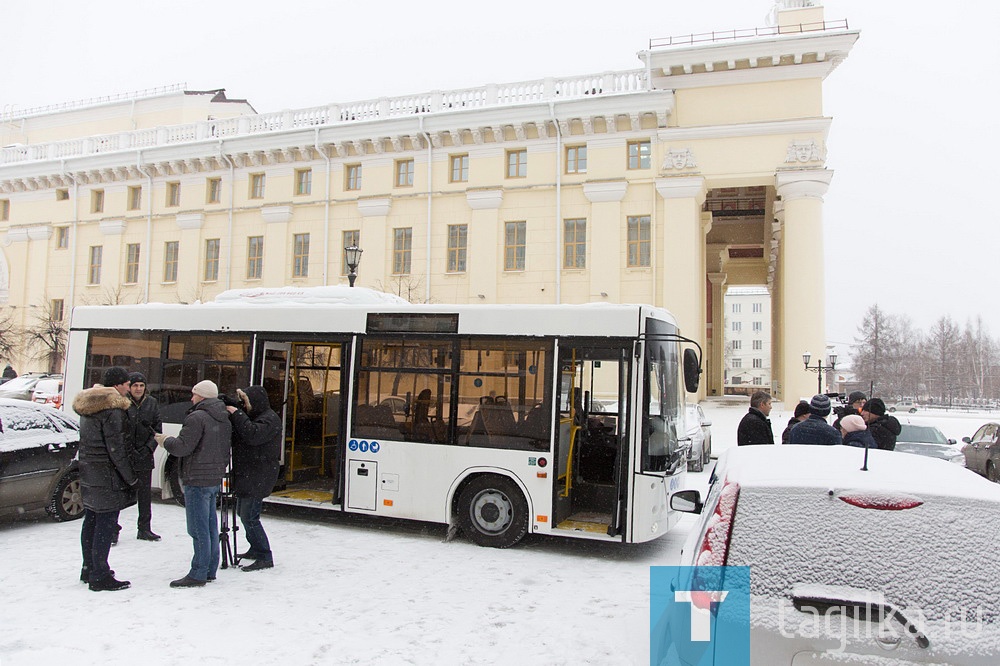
(701, 169)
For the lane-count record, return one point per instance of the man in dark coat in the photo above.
(203, 448)
(815, 429)
(801, 414)
(145, 414)
(853, 407)
(107, 481)
(256, 461)
(755, 428)
(884, 428)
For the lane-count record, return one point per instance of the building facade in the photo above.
(747, 340)
(702, 169)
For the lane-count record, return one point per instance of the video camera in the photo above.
(230, 401)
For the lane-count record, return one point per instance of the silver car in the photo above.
(699, 431)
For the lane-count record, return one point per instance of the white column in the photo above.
(605, 224)
(486, 244)
(714, 374)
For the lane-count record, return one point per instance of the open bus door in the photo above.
(273, 376)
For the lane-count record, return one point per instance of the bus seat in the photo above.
(375, 422)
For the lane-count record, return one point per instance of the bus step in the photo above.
(586, 522)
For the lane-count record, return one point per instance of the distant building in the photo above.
(701, 169)
(748, 340)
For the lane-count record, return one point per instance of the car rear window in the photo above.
(915, 433)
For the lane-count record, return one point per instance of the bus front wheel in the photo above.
(492, 511)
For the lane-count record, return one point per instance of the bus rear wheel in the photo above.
(492, 511)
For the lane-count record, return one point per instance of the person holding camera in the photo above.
(256, 462)
(145, 414)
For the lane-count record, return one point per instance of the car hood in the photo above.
(943, 451)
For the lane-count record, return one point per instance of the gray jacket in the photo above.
(203, 444)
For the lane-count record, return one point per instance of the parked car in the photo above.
(21, 388)
(48, 392)
(982, 452)
(38, 446)
(885, 564)
(927, 440)
(904, 405)
(699, 430)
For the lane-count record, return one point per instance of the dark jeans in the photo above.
(203, 527)
(144, 497)
(248, 509)
(95, 540)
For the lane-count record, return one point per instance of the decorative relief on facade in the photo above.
(112, 227)
(678, 158)
(803, 152)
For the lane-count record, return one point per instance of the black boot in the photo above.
(85, 575)
(259, 564)
(249, 555)
(109, 584)
(187, 581)
(147, 535)
(114, 537)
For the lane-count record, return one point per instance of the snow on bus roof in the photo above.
(335, 294)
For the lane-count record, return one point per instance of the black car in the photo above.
(982, 452)
(38, 470)
(927, 440)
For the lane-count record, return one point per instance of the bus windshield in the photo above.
(662, 400)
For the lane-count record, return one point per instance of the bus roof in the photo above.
(340, 309)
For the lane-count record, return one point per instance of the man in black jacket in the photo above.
(107, 481)
(755, 428)
(256, 461)
(145, 414)
(883, 427)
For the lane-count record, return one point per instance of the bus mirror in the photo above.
(692, 371)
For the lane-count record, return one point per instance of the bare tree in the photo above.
(10, 334)
(941, 357)
(45, 338)
(406, 287)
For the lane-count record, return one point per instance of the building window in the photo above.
(256, 186)
(402, 244)
(513, 246)
(135, 197)
(173, 194)
(97, 201)
(62, 237)
(170, 251)
(735, 344)
(757, 307)
(213, 190)
(458, 245)
(352, 179)
(4, 210)
(404, 173)
(62, 194)
(131, 263)
(517, 163)
(638, 154)
(638, 240)
(58, 309)
(758, 345)
(737, 362)
(352, 238)
(303, 182)
(758, 327)
(212, 246)
(459, 168)
(255, 257)
(94, 267)
(736, 308)
(575, 243)
(758, 363)
(300, 255)
(576, 159)
(737, 327)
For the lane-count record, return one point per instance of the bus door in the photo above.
(273, 376)
(591, 445)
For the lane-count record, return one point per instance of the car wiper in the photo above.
(855, 604)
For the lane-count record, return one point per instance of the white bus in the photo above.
(499, 419)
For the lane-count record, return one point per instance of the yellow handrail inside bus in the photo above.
(574, 428)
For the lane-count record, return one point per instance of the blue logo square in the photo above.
(699, 616)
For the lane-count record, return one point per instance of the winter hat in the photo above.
(206, 389)
(819, 405)
(852, 423)
(874, 406)
(801, 409)
(115, 375)
(137, 378)
(856, 396)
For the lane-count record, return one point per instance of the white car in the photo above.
(699, 431)
(855, 557)
(48, 392)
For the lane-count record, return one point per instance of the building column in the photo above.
(486, 244)
(190, 269)
(802, 304)
(111, 255)
(375, 241)
(277, 267)
(683, 247)
(715, 363)
(604, 234)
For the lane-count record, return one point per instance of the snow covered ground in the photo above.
(346, 590)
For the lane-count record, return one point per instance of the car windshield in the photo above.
(917, 433)
(48, 386)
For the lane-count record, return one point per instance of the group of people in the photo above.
(120, 429)
(861, 422)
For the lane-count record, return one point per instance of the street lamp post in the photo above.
(819, 368)
(353, 255)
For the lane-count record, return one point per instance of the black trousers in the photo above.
(95, 540)
(144, 497)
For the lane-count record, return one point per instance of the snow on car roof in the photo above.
(840, 467)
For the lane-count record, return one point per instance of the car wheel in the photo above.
(708, 452)
(991, 472)
(913, 410)
(174, 479)
(492, 511)
(696, 465)
(892, 409)
(67, 500)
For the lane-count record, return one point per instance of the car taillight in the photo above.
(714, 551)
(880, 501)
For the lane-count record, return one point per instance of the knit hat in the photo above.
(115, 375)
(852, 423)
(856, 396)
(819, 405)
(874, 406)
(137, 378)
(206, 389)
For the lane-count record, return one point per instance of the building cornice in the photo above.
(799, 127)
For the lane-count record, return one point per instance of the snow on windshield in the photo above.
(26, 428)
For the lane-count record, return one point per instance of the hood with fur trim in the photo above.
(93, 400)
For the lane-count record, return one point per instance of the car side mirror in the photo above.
(951, 441)
(967, 440)
(686, 501)
(706, 423)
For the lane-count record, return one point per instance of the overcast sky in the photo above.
(910, 218)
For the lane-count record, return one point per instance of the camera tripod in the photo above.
(227, 508)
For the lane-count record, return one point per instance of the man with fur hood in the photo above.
(107, 481)
(203, 448)
(256, 461)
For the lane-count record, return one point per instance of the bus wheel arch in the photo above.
(491, 509)
(172, 474)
